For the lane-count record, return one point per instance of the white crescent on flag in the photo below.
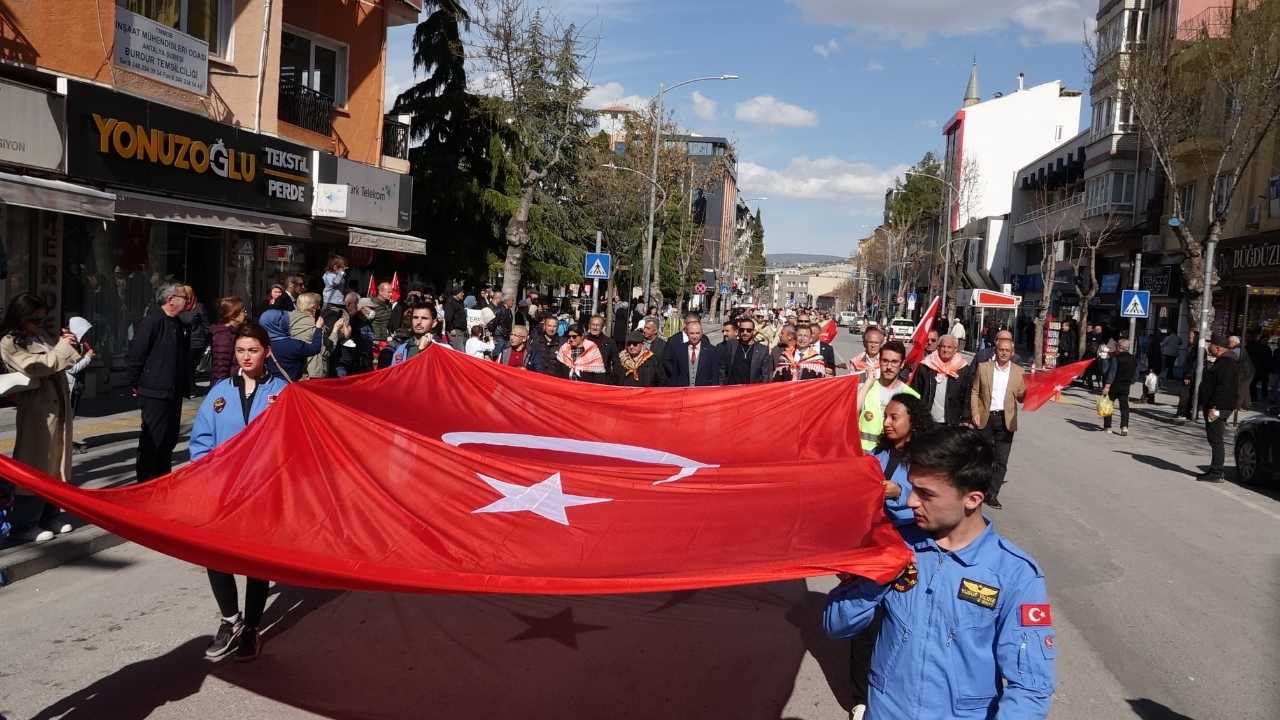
(617, 451)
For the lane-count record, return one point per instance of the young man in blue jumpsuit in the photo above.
(967, 630)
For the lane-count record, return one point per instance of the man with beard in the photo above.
(874, 395)
(422, 323)
(744, 361)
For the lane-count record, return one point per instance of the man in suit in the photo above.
(744, 361)
(692, 363)
(294, 286)
(826, 350)
(1219, 396)
(998, 387)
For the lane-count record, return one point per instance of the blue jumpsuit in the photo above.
(970, 638)
(220, 417)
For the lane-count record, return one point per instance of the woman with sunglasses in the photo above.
(44, 410)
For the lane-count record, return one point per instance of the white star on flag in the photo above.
(544, 498)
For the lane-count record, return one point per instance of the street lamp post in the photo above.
(653, 187)
(946, 219)
(657, 139)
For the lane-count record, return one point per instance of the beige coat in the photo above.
(44, 409)
(980, 395)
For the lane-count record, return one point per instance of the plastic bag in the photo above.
(1106, 408)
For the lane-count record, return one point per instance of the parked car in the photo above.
(848, 318)
(1258, 447)
(901, 328)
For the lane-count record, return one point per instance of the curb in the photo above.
(29, 559)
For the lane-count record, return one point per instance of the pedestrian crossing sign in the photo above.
(597, 266)
(1135, 303)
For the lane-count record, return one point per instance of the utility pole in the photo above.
(595, 282)
(1133, 321)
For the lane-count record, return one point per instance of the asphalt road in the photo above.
(1164, 592)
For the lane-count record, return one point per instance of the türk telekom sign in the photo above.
(126, 141)
(376, 198)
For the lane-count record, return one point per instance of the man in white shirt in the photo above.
(998, 387)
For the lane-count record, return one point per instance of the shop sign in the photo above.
(32, 127)
(161, 52)
(1109, 284)
(126, 141)
(1249, 257)
(1157, 279)
(375, 197)
(279, 253)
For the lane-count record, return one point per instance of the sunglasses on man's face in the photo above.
(574, 335)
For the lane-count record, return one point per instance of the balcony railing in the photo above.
(395, 138)
(306, 108)
(1063, 204)
(1214, 22)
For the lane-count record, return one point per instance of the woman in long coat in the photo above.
(44, 408)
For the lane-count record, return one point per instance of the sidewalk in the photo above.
(109, 428)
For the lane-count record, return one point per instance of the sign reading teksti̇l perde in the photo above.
(123, 140)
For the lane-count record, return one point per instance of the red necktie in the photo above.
(693, 356)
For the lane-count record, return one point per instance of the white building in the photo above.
(987, 142)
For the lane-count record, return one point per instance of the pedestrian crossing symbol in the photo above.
(1135, 303)
(597, 266)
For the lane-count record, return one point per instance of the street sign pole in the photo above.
(1133, 321)
(595, 283)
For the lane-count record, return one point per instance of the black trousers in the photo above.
(1120, 394)
(1001, 439)
(1216, 432)
(159, 436)
(224, 591)
(29, 511)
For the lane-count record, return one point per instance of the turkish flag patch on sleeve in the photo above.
(1036, 615)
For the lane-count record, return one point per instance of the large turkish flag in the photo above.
(452, 473)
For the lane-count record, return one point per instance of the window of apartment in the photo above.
(1187, 201)
(209, 20)
(699, 148)
(315, 62)
(1122, 188)
(1220, 190)
(1096, 194)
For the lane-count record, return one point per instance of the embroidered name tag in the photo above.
(978, 594)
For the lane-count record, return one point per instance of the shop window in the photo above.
(209, 20)
(315, 62)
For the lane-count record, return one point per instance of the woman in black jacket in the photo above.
(1121, 371)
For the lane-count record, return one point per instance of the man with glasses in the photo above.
(868, 361)
(157, 365)
(516, 354)
(744, 361)
(875, 395)
(637, 366)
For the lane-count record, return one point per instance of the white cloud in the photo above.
(874, 66)
(1041, 21)
(768, 110)
(827, 48)
(824, 178)
(611, 94)
(703, 106)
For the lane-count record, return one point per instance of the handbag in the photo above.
(1106, 408)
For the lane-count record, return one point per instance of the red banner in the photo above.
(1045, 386)
(452, 473)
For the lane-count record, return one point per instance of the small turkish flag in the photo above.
(1045, 385)
(1036, 615)
(920, 338)
(395, 287)
(373, 286)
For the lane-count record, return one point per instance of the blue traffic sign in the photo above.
(598, 266)
(1135, 303)
(724, 289)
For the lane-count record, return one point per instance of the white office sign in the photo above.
(330, 200)
(161, 52)
(32, 127)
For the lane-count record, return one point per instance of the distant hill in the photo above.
(784, 259)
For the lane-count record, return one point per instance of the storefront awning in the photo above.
(383, 240)
(57, 196)
(154, 207)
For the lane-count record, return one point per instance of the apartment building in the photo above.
(222, 142)
(712, 205)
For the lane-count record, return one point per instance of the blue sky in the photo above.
(836, 97)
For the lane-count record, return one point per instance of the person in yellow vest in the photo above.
(874, 395)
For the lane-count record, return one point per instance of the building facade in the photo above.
(224, 143)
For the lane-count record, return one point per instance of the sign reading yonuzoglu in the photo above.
(161, 52)
(125, 141)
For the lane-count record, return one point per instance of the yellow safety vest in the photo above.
(871, 417)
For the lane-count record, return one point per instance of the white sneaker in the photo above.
(857, 712)
(64, 528)
(38, 535)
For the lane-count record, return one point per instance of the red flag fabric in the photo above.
(395, 287)
(373, 287)
(920, 338)
(1044, 386)
(830, 329)
(451, 473)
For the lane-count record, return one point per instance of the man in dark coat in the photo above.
(953, 407)
(744, 361)
(1219, 393)
(294, 286)
(637, 366)
(544, 345)
(157, 371)
(692, 362)
(595, 333)
(455, 320)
